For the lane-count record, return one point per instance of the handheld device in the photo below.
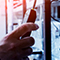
(31, 18)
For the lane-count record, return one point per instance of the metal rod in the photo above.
(37, 52)
(47, 30)
(6, 16)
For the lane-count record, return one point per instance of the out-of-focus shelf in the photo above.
(55, 3)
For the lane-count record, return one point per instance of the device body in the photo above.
(31, 18)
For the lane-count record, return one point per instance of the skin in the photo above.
(12, 47)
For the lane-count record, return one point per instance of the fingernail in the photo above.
(37, 26)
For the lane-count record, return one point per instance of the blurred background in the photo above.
(14, 12)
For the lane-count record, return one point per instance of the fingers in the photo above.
(26, 52)
(21, 47)
(21, 54)
(20, 44)
(25, 42)
(24, 28)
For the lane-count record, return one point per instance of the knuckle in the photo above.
(6, 38)
(25, 27)
(32, 41)
(30, 50)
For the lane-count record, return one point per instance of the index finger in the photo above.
(25, 43)
(24, 28)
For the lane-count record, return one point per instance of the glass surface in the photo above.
(55, 30)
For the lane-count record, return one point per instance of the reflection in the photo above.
(55, 30)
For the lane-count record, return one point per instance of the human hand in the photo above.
(11, 46)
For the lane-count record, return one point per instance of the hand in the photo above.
(11, 46)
